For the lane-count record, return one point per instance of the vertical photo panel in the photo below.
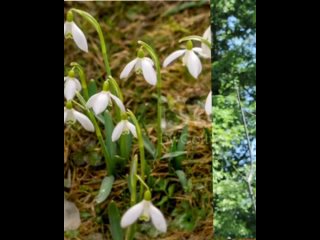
(138, 120)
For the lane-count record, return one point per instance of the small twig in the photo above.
(249, 178)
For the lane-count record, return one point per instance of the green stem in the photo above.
(110, 164)
(133, 180)
(141, 149)
(142, 182)
(115, 89)
(82, 79)
(159, 119)
(196, 38)
(156, 60)
(133, 200)
(97, 26)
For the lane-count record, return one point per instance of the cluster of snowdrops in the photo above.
(87, 110)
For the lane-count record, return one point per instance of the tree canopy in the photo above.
(234, 134)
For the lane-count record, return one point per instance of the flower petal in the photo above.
(148, 72)
(128, 69)
(118, 102)
(132, 215)
(118, 130)
(92, 100)
(208, 34)
(138, 66)
(78, 85)
(79, 38)
(185, 58)
(206, 51)
(173, 56)
(158, 220)
(67, 28)
(194, 65)
(68, 115)
(70, 89)
(132, 129)
(84, 121)
(149, 60)
(208, 105)
(197, 50)
(101, 103)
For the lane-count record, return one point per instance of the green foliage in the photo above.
(234, 68)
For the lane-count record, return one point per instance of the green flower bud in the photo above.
(71, 74)
(141, 53)
(70, 16)
(189, 45)
(106, 86)
(147, 196)
(69, 105)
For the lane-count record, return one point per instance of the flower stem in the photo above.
(115, 89)
(196, 38)
(141, 149)
(97, 26)
(142, 182)
(156, 60)
(82, 79)
(110, 164)
(159, 119)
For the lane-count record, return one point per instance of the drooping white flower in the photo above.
(72, 116)
(208, 105)
(206, 51)
(71, 86)
(145, 210)
(123, 127)
(190, 59)
(100, 101)
(71, 30)
(142, 65)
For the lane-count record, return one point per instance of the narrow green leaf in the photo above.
(114, 219)
(109, 126)
(125, 146)
(149, 146)
(133, 179)
(181, 147)
(183, 180)
(92, 87)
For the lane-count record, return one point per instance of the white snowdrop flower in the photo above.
(206, 51)
(142, 65)
(208, 105)
(190, 59)
(72, 116)
(100, 101)
(123, 127)
(72, 31)
(145, 210)
(71, 86)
